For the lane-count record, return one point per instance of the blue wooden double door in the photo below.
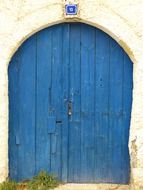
(70, 96)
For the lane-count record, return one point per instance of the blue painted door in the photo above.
(70, 94)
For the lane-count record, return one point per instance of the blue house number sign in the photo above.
(71, 9)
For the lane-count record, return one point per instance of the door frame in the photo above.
(117, 28)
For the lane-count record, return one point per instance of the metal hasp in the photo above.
(71, 9)
(69, 108)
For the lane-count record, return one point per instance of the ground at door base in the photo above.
(92, 187)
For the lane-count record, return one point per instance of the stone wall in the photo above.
(122, 20)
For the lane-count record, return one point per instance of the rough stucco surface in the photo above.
(123, 20)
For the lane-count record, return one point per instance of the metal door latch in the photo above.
(69, 108)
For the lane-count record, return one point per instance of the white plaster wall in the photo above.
(122, 19)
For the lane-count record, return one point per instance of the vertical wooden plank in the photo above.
(13, 72)
(87, 105)
(74, 97)
(116, 112)
(101, 106)
(56, 99)
(65, 97)
(43, 98)
(127, 105)
(27, 85)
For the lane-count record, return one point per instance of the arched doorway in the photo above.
(70, 94)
